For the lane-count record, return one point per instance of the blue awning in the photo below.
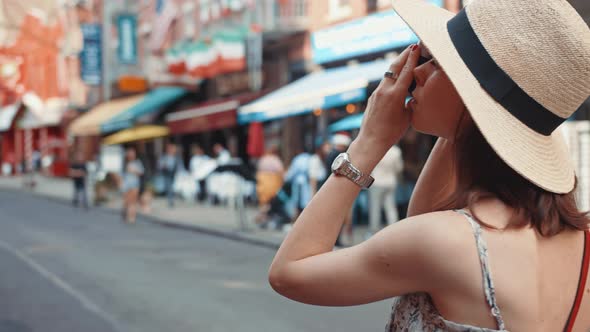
(152, 102)
(348, 123)
(324, 89)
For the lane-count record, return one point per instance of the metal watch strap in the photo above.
(357, 176)
(366, 181)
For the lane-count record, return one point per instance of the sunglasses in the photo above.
(425, 56)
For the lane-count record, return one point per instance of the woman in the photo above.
(269, 175)
(131, 183)
(495, 241)
(269, 179)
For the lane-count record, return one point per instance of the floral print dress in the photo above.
(416, 312)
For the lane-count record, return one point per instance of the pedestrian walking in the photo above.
(133, 170)
(78, 172)
(36, 160)
(198, 161)
(269, 179)
(146, 191)
(168, 165)
(382, 192)
(494, 241)
(298, 176)
(318, 173)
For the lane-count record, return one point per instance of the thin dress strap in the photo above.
(490, 291)
(581, 284)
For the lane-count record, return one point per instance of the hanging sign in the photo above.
(127, 32)
(91, 55)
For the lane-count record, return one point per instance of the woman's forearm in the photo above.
(436, 181)
(318, 226)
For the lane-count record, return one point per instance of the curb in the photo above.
(235, 236)
(238, 236)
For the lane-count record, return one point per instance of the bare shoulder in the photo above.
(437, 244)
(438, 230)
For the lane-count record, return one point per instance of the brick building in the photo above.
(39, 46)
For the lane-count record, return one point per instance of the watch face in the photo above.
(338, 162)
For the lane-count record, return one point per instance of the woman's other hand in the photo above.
(386, 118)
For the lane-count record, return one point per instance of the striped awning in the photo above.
(89, 124)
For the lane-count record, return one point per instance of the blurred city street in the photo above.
(220, 220)
(154, 155)
(66, 269)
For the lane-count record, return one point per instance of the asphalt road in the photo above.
(70, 270)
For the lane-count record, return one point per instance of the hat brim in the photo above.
(543, 160)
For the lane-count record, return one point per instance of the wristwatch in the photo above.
(343, 167)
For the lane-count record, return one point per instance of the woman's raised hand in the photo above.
(386, 118)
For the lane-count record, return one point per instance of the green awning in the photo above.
(151, 103)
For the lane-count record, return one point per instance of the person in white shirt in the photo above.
(197, 162)
(382, 192)
(223, 156)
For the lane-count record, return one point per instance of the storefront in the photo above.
(118, 115)
(84, 132)
(8, 149)
(212, 122)
(41, 142)
(36, 73)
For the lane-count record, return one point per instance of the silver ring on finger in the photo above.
(391, 75)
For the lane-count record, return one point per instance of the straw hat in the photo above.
(521, 67)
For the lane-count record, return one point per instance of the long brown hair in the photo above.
(481, 174)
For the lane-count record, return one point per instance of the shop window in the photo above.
(340, 9)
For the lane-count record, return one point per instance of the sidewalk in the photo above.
(215, 220)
